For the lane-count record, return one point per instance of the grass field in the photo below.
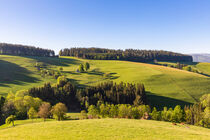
(166, 86)
(104, 129)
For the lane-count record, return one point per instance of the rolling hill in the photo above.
(165, 86)
(103, 129)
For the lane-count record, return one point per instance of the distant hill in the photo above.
(201, 57)
(166, 86)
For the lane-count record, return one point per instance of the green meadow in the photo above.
(165, 86)
(119, 129)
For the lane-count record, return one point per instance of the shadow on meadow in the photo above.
(76, 83)
(11, 73)
(56, 60)
(107, 76)
(160, 101)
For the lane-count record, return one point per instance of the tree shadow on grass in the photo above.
(71, 72)
(76, 83)
(11, 73)
(55, 60)
(95, 72)
(107, 76)
(160, 101)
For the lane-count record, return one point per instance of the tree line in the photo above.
(128, 54)
(107, 99)
(77, 99)
(196, 114)
(24, 50)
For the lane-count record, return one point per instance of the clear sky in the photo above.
(174, 25)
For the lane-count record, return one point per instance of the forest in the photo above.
(77, 99)
(24, 50)
(128, 55)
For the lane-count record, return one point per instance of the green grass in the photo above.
(104, 129)
(23, 122)
(17, 73)
(74, 116)
(162, 82)
(204, 67)
(166, 86)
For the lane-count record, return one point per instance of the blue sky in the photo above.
(174, 25)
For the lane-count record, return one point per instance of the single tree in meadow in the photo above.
(59, 111)
(10, 120)
(32, 114)
(44, 110)
(86, 66)
(81, 68)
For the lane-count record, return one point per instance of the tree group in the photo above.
(128, 54)
(84, 67)
(77, 99)
(16, 49)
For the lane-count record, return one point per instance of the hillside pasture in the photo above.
(104, 129)
(165, 86)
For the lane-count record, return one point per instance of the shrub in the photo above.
(86, 66)
(93, 111)
(32, 113)
(81, 68)
(188, 115)
(104, 110)
(83, 115)
(10, 120)
(123, 111)
(164, 114)
(61, 81)
(135, 113)
(177, 115)
(113, 112)
(155, 114)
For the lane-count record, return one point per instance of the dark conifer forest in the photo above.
(128, 54)
(24, 50)
(77, 99)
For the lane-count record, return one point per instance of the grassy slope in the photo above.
(204, 67)
(18, 73)
(166, 85)
(158, 80)
(104, 129)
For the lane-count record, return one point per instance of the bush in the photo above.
(83, 115)
(177, 115)
(86, 66)
(61, 81)
(32, 114)
(155, 114)
(10, 120)
(104, 110)
(135, 113)
(93, 112)
(113, 112)
(81, 68)
(124, 111)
